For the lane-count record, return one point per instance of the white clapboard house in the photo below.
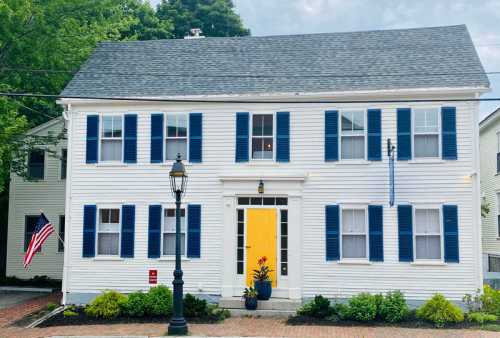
(309, 117)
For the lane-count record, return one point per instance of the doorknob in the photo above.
(248, 247)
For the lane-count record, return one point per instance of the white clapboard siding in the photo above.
(326, 183)
(27, 198)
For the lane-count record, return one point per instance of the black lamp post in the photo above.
(178, 183)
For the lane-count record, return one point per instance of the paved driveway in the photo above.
(11, 298)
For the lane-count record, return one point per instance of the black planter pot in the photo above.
(264, 289)
(251, 303)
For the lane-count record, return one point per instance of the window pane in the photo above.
(239, 268)
(354, 246)
(169, 221)
(115, 215)
(243, 200)
(428, 247)
(284, 242)
(256, 201)
(175, 146)
(353, 147)
(268, 200)
(241, 215)
(281, 201)
(284, 269)
(239, 255)
(353, 121)
(257, 125)
(107, 126)
(346, 122)
(284, 215)
(29, 228)
(353, 221)
(426, 121)
(111, 150)
(36, 164)
(268, 125)
(268, 148)
(171, 125)
(426, 145)
(181, 125)
(117, 126)
(169, 243)
(257, 147)
(107, 243)
(427, 221)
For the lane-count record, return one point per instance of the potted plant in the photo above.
(250, 296)
(262, 280)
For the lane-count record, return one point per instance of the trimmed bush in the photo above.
(362, 307)
(440, 311)
(194, 307)
(136, 305)
(159, 301)
(107, 305)
(215, 313)
(318, 308)
(491, 300)
(393, 307)
(51, 306)
(70, 313)
(481, 317)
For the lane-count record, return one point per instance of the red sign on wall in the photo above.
(153, 276)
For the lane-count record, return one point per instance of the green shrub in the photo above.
(107, 305)
(362, 307)
(194, 307)
(342, 311)
(440, 311)
(51, 306)
(318, 308)
(70, 313)
(136, 305)
(473, 302)
(491, 301)
(481, 317)
(393, 307)
(215, 313)
(159, 301)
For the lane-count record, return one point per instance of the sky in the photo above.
(482, 17)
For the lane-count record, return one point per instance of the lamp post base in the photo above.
(177, 327)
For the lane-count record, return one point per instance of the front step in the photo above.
(272, 307)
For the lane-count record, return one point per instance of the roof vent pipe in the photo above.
(195, 33)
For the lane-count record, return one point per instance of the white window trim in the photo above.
(414, 232)
(99, 208)
(165, 137)
(367, 242)
(171, 257)
(365, 135)
(101, 138)
(413, 134)
(250, 144)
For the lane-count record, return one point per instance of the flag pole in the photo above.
(57, 234)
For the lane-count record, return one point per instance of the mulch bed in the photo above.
(409, 323)
(30, 318)
(83, 319)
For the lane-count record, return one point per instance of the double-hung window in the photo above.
(36, 164)
(29, 228)
(169, 232)
(262, 136)
(427, 234)
(108, 232)
(354, 233)
(426, 132)
(112, 138)
(353, 135)
(176, 136)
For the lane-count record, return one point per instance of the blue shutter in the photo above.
(89, 221)
(331, 135)
(130, 139)
(154, 231)
(156, 138)
(374, 135)
(194, 230)
(405, 231)
(404, 133)
(332, 232)
(92, 138)
(376, 232)
(128, 231)
(449, 137)
(195, 137)
(283, 136)
(450, 225)
(242, 135)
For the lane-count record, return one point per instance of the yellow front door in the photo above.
(261, 241)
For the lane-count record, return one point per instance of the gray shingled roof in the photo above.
(282, 64)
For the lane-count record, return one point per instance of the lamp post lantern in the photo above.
(178, 183)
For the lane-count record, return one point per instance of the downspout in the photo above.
(67, 208)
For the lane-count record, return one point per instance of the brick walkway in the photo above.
(263, 327)
(18, 311)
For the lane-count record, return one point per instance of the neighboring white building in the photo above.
(26, 198)
(489, 130)
(324, 219)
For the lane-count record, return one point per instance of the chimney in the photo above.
(195, 33)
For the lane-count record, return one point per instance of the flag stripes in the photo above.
(42, 231)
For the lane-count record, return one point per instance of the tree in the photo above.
(214, 17)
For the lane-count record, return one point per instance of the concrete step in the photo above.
(260, 313)
(273, 304)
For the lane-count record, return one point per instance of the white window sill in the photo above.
(170, 163)
(261, 163)
(172, 259)
(111, 164)
(355, 262)
(426, 160)
(428, 263)
(108, 258)
(353, 162)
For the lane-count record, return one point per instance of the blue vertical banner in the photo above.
(390, 153)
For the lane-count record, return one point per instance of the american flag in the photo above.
(42, 230)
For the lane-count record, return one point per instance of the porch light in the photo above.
(260, 189)
(178, 177)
